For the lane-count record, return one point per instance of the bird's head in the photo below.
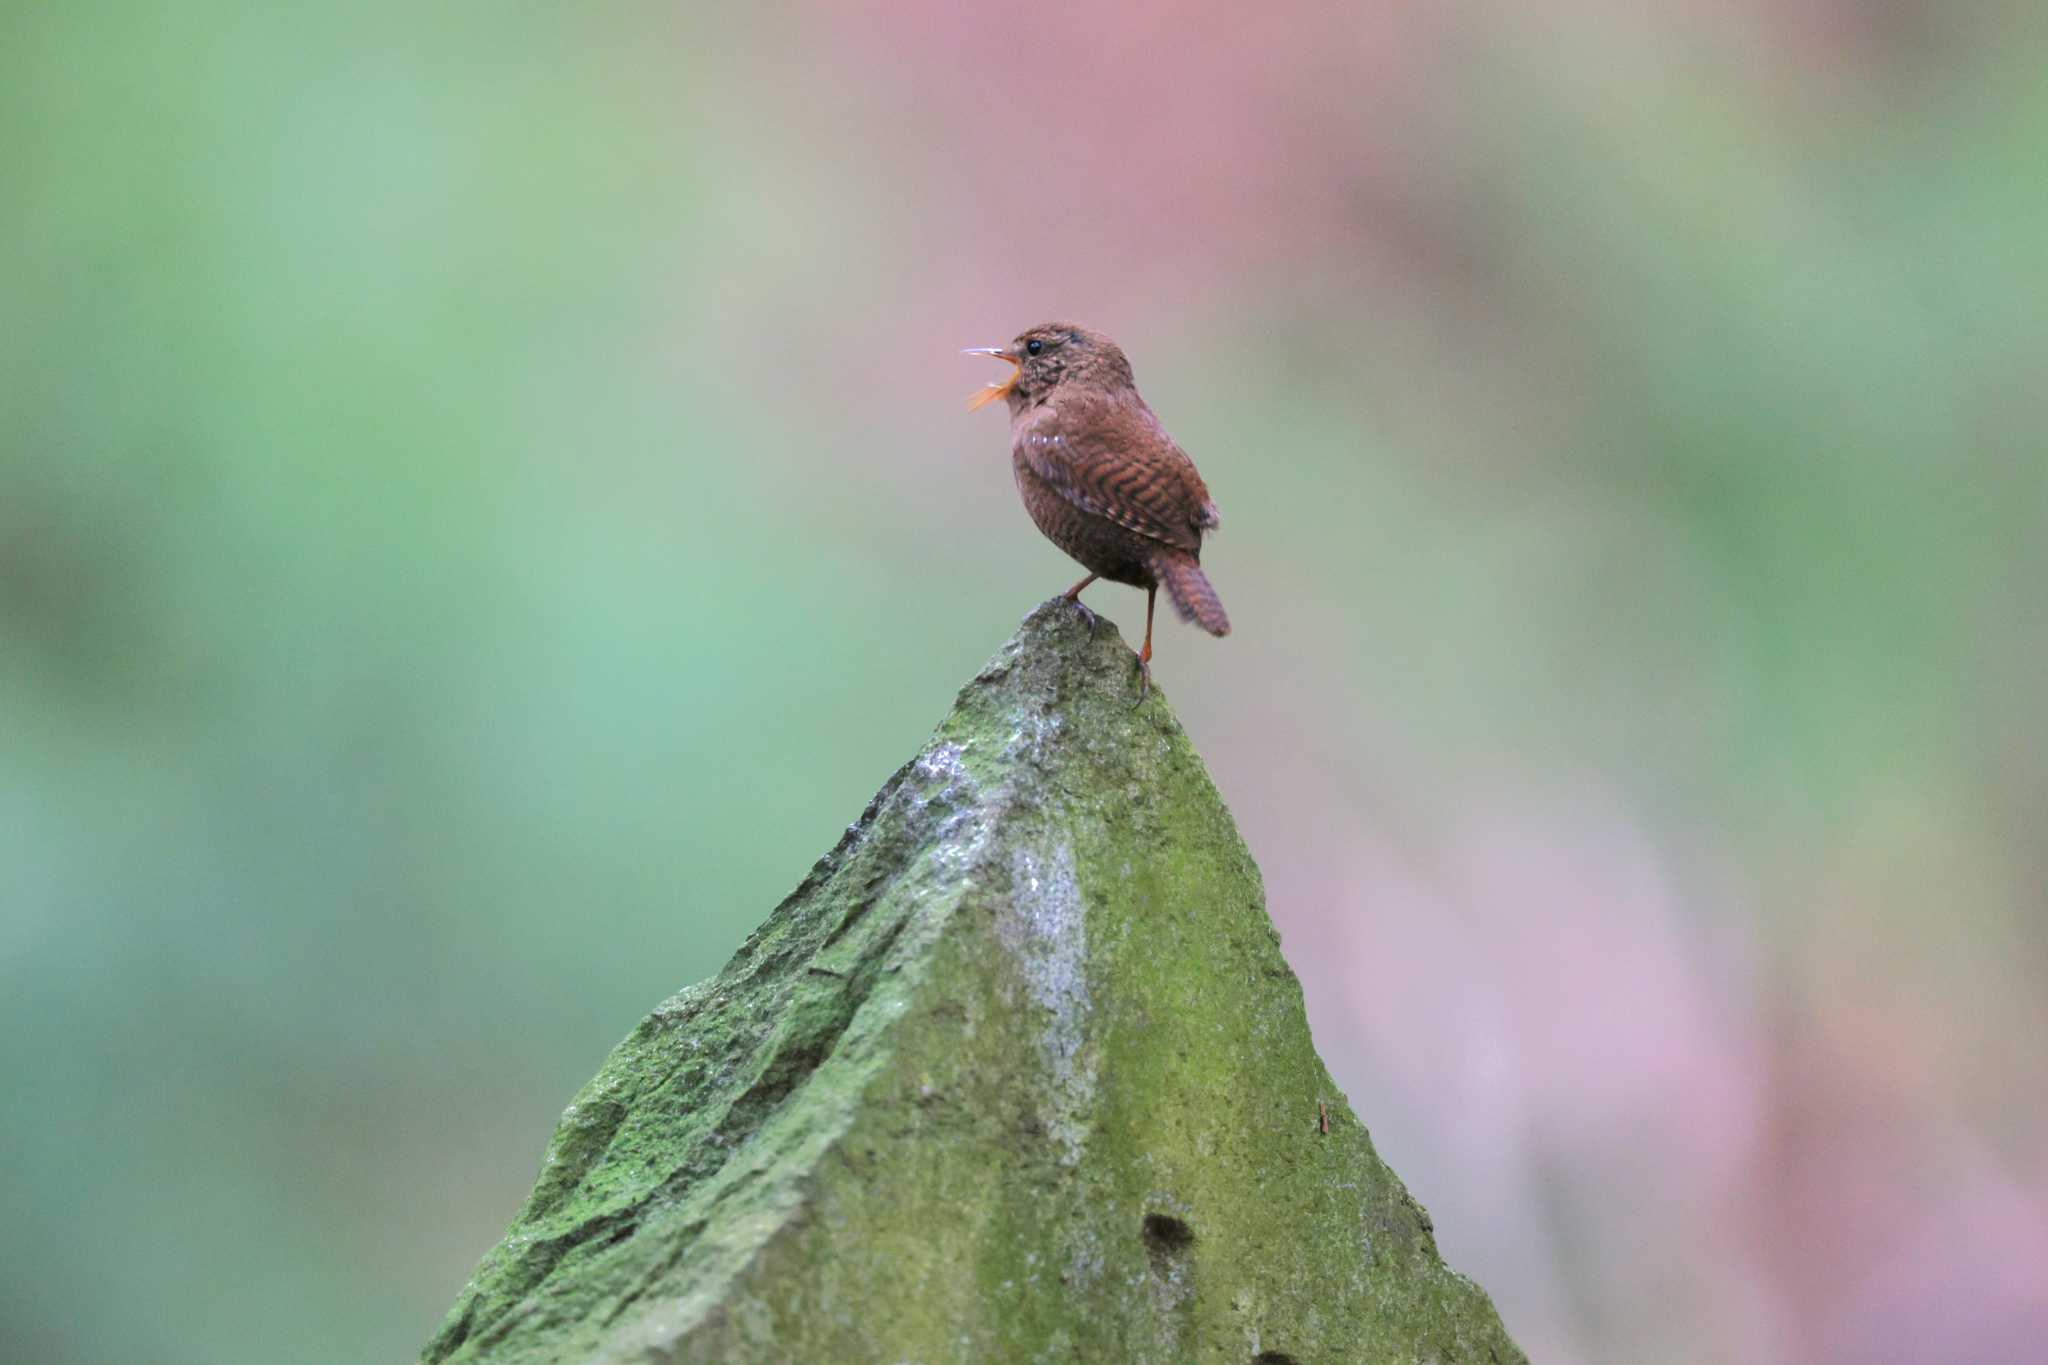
(1048, 356)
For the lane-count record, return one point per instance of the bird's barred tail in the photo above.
(1192, 596)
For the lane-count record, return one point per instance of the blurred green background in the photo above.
(485, 497)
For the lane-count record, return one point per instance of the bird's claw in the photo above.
(1144, 676)
(1087, 615)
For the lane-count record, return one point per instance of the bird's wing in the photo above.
(1112, 458)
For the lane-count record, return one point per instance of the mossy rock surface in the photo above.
(1017, 1074)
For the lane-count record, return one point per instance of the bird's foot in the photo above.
(1144, 676)
(1087, 615)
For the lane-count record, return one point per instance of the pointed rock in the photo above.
(1016, 1074)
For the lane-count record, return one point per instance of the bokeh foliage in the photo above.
(483, 501)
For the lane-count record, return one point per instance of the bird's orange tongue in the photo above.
(984, 396)
(989, 395)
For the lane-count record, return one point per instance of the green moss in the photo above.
(1017, 1073)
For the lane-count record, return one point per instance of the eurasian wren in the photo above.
(1101, 477)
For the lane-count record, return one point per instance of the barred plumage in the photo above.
(1100, 476)
(1192, 596)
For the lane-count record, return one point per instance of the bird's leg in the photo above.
(1073, 595)
(1145, 654)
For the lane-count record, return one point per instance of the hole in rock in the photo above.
(1167, 1236)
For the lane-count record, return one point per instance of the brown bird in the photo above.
(1101, 477)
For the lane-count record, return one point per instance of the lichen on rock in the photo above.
(1017, 1073)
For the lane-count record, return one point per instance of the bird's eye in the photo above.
(1034, 346)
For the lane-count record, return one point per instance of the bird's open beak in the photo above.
(993, 391)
